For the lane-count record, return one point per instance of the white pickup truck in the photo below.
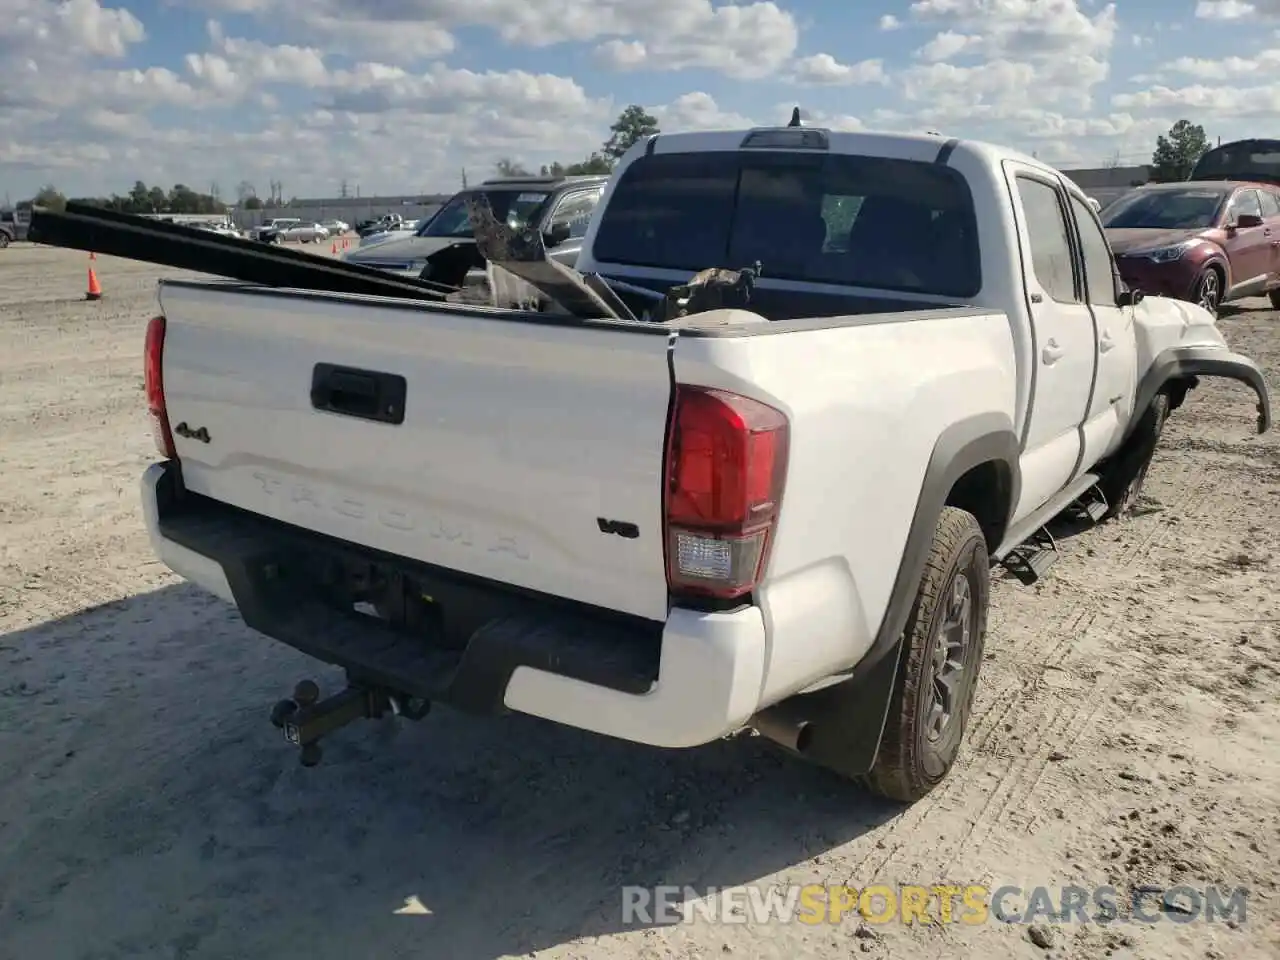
(782, 516)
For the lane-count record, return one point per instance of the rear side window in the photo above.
(828, 218)
(1099, 268)
(1049, 239)
(1270, 205)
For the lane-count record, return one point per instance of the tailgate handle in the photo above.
(365, 394)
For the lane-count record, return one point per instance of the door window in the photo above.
(1049, 239)
(575, 211)
(1244, 202)
(1270, 205)
(1099, 267)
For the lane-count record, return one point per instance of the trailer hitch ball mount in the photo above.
(305, 718)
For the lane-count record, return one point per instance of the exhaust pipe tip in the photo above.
(790, 733)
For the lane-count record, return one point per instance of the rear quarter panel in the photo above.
(867, 399)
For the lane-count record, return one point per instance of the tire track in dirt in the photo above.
(1061, 714)
(1009, 695)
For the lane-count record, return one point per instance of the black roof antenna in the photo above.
(795, 118)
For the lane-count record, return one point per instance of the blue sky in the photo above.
(401, 95)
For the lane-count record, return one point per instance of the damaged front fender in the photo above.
(1184, 363)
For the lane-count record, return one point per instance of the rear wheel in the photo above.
(940, 662)
(4, 240)
(1208, 292)
(1122, 481)
(1274, 295)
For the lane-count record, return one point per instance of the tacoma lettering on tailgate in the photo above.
(393, 518)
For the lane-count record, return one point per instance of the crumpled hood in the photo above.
(1136, 240)
(405, 249)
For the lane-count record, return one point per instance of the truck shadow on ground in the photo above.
(156, 812)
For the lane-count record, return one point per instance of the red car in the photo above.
(1208, 242)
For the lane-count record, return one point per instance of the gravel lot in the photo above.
(1126, 731)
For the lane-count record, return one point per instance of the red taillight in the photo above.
(726, 461)
(153, 377)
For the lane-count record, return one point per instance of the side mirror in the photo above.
(1247, 220)
(556, 235)
(1129, 297)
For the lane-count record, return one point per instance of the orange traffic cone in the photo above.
(92, 255)
(94, 292)
(345, 243)
(333, 248)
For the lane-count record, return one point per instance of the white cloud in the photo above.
(1224, 9)
(374, 92)
(1016, 68)
(698, 111)
(946, 45)
(741, 39)
(1232, 101)
(754, 40)
(822, 69)
(35, 27)
(1265, 63)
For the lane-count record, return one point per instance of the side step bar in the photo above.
(82, 227)
(1030, 549)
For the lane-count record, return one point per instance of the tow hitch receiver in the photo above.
(305, 718)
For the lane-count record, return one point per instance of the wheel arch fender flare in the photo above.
(841, 725)
(1184, 363)
(1219, 259)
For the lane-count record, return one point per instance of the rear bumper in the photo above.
(681, 683)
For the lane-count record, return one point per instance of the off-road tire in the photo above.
(1274, 295)
(4, 240)
(909, 764)
(1122, 480)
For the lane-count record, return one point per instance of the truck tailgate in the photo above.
(530, 453)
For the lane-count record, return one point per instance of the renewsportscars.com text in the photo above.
(970, 905)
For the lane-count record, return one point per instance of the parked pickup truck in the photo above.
(780, 516)
(13, 226)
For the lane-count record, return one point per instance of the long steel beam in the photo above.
(82, 227)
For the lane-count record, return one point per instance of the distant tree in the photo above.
(142, 199)
(252, 203)
(507, 167)
(245, 190)
(50, 198)
(1175, 156)
(633, 125)
(593, 164)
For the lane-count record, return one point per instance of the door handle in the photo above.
(1106, 344)
(1052, 352)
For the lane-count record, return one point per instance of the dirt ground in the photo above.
(1126, 732)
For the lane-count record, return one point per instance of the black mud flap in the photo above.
(840, 726)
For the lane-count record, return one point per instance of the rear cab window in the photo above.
(840, 219)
